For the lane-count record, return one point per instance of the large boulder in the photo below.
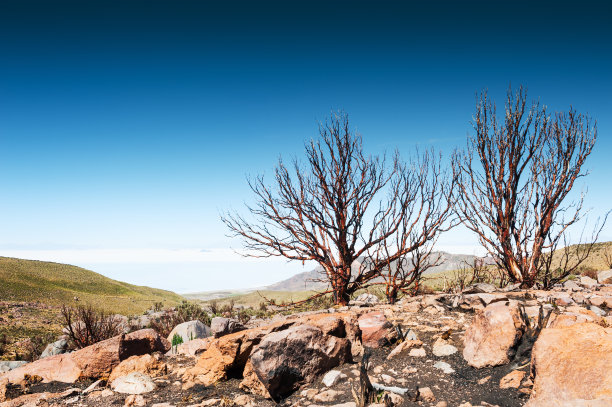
(220, 326)
(93, 362)
(491, 338)
(376, 330)
(572, 366)
(340, 325)
(150, 365)
(190, 330)
(227, 356)
(285, 360)
(56, 348)
(605, 277)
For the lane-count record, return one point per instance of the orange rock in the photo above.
(93, 362)
(376, 330)
(228, 354)
(512, 380)
(490, 339)
(150, 365)
(573, 315)
(572, 366)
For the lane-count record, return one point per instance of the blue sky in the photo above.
(127, 127)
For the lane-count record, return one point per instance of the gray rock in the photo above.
(190, 330)
(6, 365)
(445, 367)
(605, 277)
(365, 299)
(571, 285)
(480, 288)
(333, 377)
(598, 311)
(587, 282)
(223, 326)
(410, 336)
(443, 348)
(55, 348)
(133, 383)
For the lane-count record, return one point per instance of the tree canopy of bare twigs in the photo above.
(514, 179)
(403, 257)
(86, 325)
(344, 205)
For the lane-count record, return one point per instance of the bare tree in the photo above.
(402, 258)
(334, 210)
(516, 175)
(86, 325)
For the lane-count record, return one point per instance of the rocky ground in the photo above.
(467, 349)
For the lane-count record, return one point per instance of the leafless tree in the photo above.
(470, 273)
(334, 210)
(515, 178)
(402, 258)
(86, 325)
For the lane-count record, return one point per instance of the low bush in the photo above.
(86, 325)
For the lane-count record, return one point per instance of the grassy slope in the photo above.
(56, 284)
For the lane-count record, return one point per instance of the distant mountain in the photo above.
(310, 280)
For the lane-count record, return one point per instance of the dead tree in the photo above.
(401, 259)
(334, 210)
(515, 178)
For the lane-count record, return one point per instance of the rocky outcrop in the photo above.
(220, 326)
(92, 362)
(572, 366)
(284, 360)
(493, 334)
(227, 355)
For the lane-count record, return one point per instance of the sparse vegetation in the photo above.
(86, 325)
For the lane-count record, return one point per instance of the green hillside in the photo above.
(57, 284)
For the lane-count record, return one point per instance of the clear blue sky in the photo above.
(129, 125)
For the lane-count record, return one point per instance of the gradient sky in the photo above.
(126, 127)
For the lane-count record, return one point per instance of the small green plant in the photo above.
(176, 341)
